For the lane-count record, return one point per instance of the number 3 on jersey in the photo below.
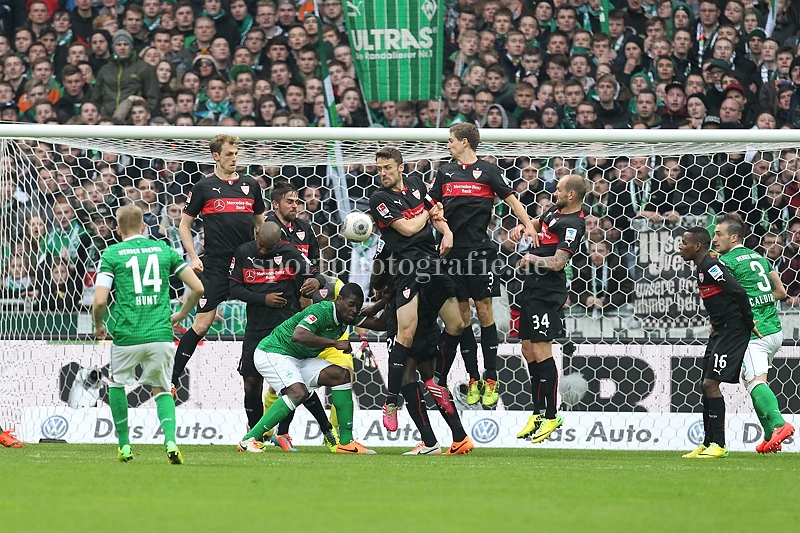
(540, 322)
(152, 274)
(764, 286)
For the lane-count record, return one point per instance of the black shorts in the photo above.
(725, 353)
(215, 283)
(541, 320)
(425, 346)
(431, 283)
(247, 367)
(473, 273)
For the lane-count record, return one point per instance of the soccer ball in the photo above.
(357, 226)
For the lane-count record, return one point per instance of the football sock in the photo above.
(118, 401)
(334, 417)
(415, 404)
(314, 406)
(538, 400)
(454, 422)
(342, 397)
(269, 399)
(709, 432)
(469, 353)
(397, 362)
(766, 405)
(489, 342)
(271, 418)
(447, 355)
(283, 426)
(716, 415)
(254, 410)
(165, 408)
(548, 377)
(185, 350)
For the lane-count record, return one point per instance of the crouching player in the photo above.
(288, 360)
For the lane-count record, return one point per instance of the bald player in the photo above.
(267, 275)
(544, 293)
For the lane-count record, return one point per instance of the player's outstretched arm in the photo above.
(522, 214)
(409, 227)
(99, 307)
(305, 337)
(778, 290)
(447, 236)
(185, 231)
(516, 233)
(196, 290)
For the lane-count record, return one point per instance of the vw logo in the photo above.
(696, 432)
(55, 427)
(485, 430)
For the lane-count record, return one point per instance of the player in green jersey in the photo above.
(288, 360)
(763, 286)
(139, 269)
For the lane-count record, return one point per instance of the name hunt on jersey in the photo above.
(139, 269)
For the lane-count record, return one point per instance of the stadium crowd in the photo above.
(507, 64)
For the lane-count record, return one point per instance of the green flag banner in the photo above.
(397, 47)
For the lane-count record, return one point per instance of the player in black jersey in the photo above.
(294, 231)
(400, 207)
(731, 323)
(266, 274)
(467, 187)
(232, 208)
(298, 233)
(544, 293)
(422, 357)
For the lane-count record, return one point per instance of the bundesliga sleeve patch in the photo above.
(383, 210)
(233, 265)
(310, 319)
(716, 272)
(570, 235)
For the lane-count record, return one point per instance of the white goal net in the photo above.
(629, 366)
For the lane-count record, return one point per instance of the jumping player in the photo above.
(467, 188)
(544, 292)
(400, 207)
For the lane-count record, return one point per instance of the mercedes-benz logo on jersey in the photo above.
(485, 430)
(219, 205)
(54, 427)
(696, 432)
(249, 275)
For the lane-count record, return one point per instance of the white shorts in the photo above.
(156, 359)
(280, 370)
(759, 355)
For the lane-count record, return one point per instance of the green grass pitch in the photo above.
(51, 487)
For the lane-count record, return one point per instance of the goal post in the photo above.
(629, 366)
